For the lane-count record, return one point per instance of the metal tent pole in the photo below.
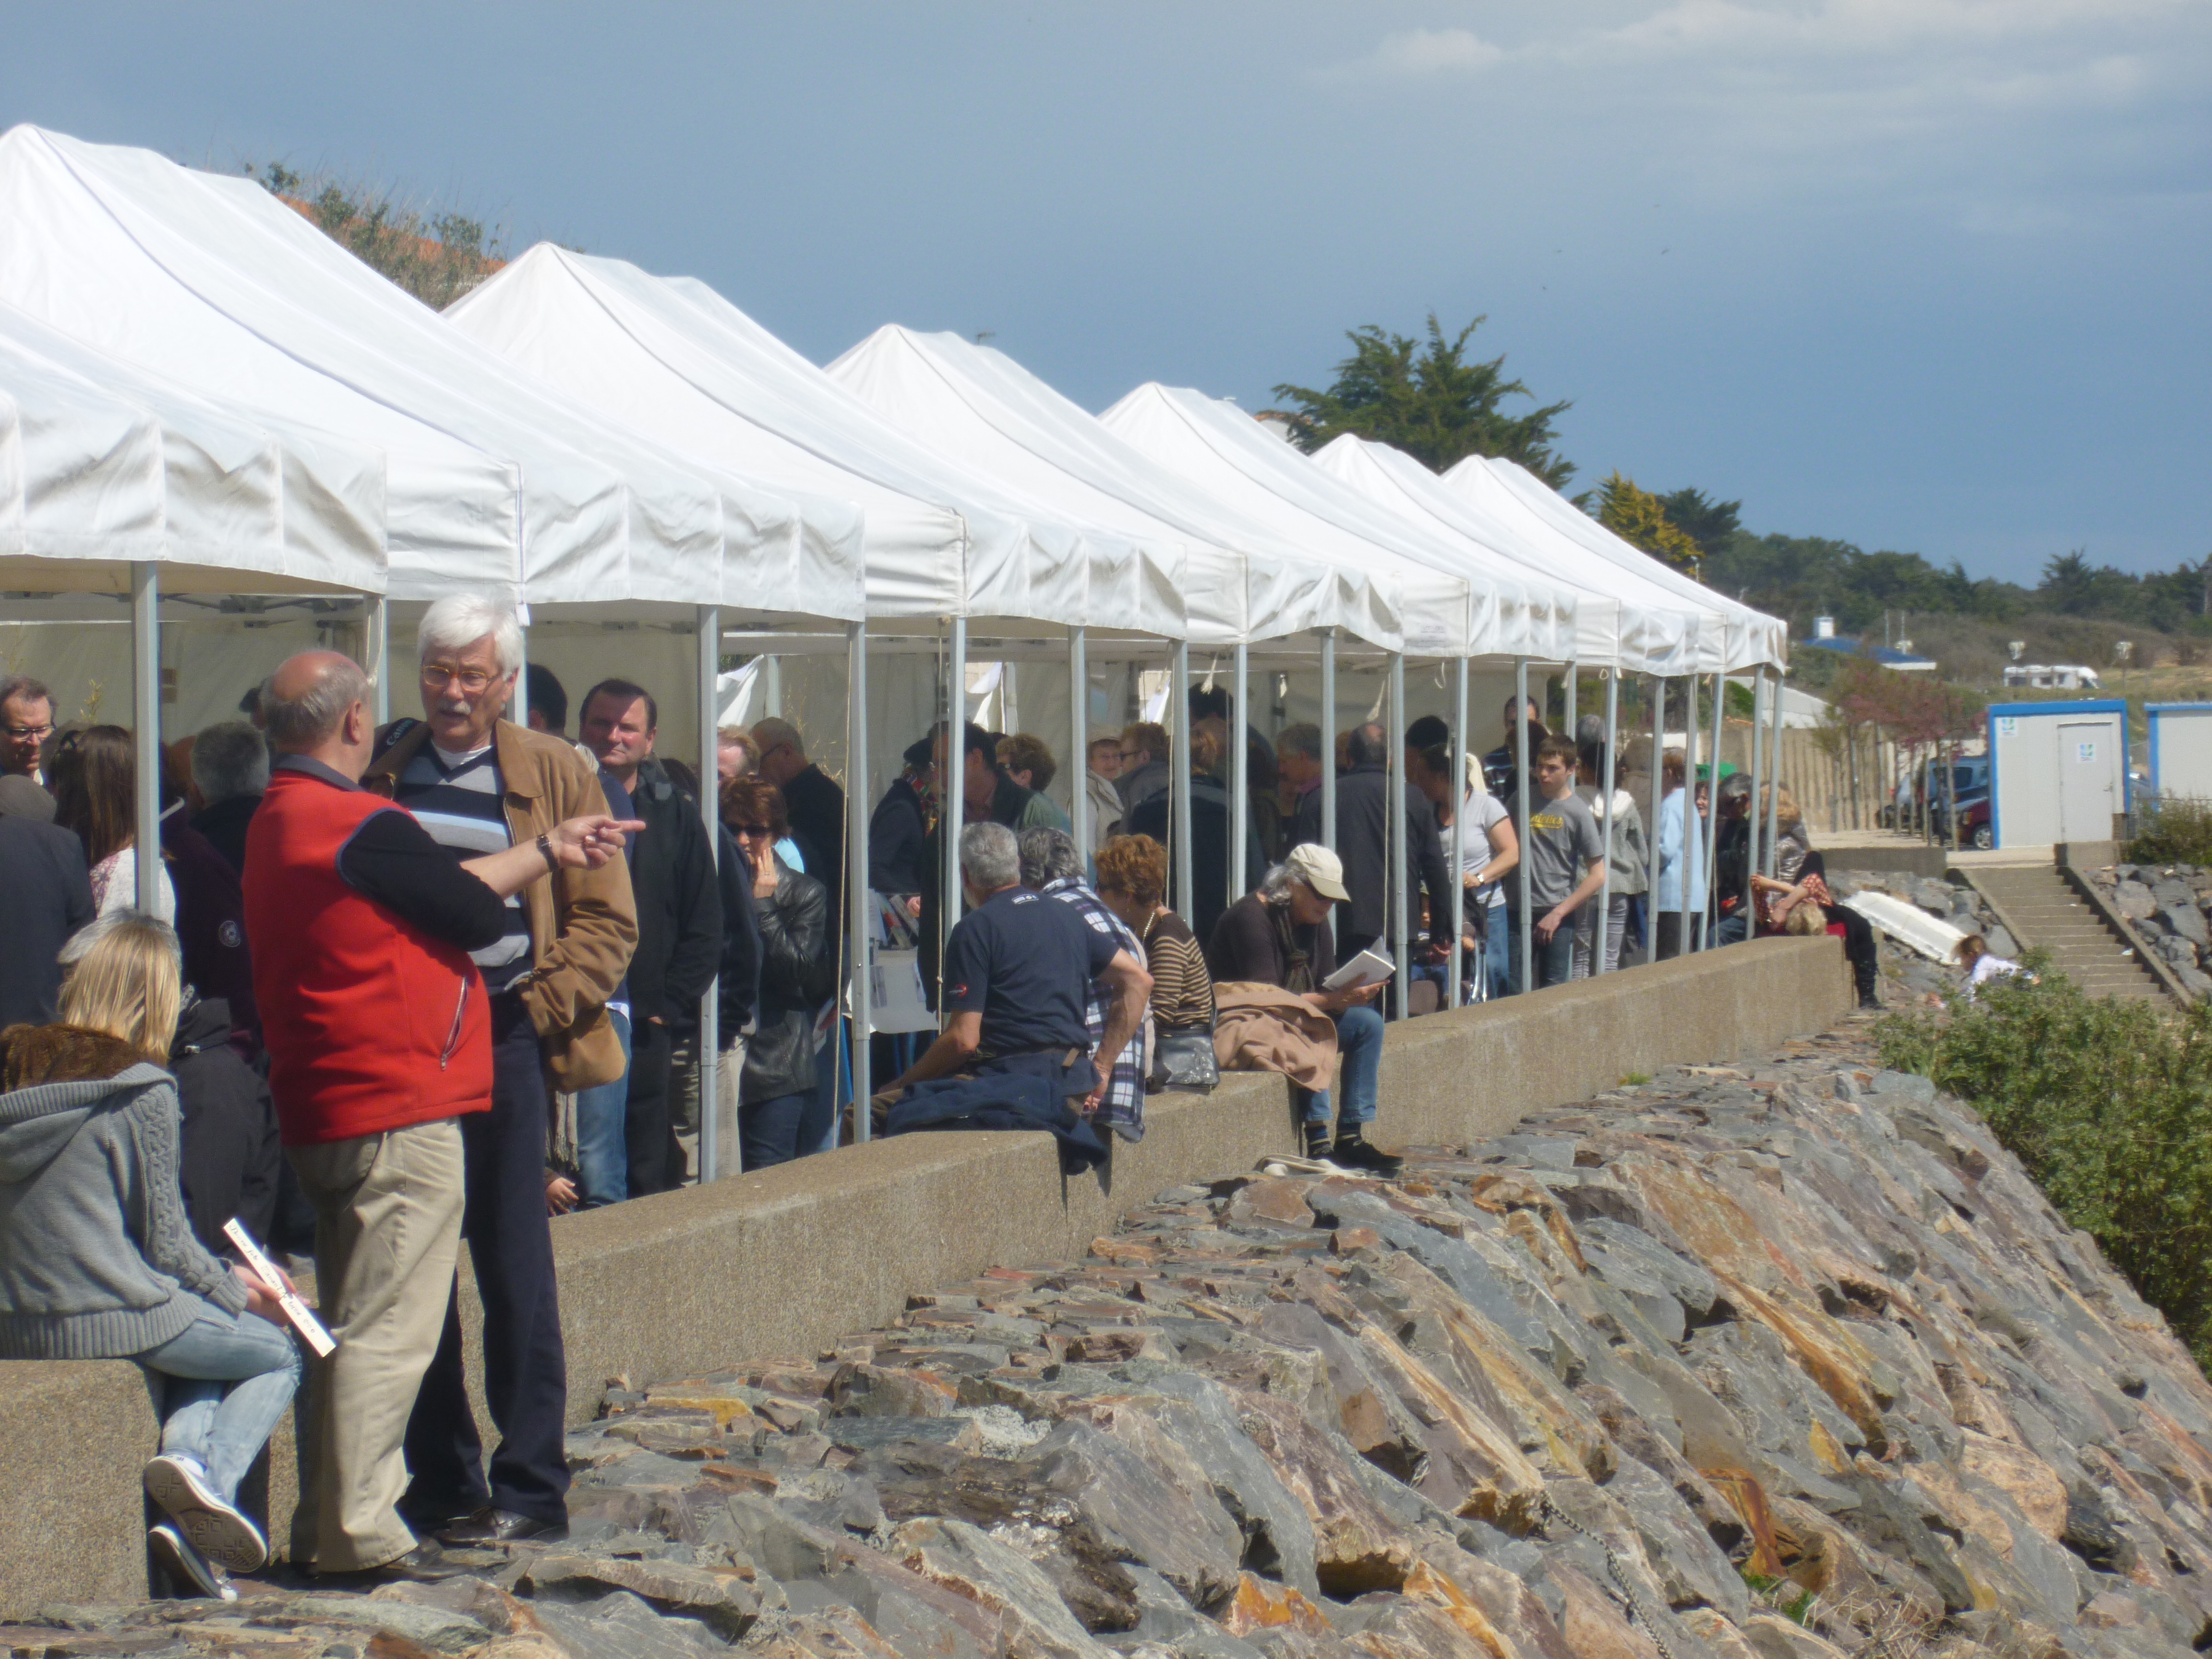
(953, 785)
(1179, 784)
(1658, 683)
(376, 648)
(146, 720)
(1240, 801)
(708, 626)
(1774, 777)
(1527, 951)
(859, 912)
(1573, 690)
(1751, 864)
(1602, 935)
(1078, 737)
(1328, 738)
(1693, 833)
(1398, 912)
(1458, 848)
(1713, 818)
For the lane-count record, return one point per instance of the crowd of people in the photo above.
(443, 979)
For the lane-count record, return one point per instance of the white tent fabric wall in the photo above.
(1619, 620)
(493, 483)
(978, 405)
(678, 361)
(1450, 606)
(1748, 637)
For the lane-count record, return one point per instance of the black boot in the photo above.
(1354, 1152)
(1317, 1141)
(1865, 975)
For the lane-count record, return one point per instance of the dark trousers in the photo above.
(648, 1130)
(1670, 933)
(779, 1129)
(525, 1368)
(1552, 963)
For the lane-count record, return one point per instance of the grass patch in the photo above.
(1635, 1079)
(2173, 830)
(2109, 1106)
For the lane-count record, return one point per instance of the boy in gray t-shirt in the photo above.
(1563, 860)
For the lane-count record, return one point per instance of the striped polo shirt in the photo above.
(459, 799)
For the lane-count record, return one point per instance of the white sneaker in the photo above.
(216, 1529)
(174, 1553)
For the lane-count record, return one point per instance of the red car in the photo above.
(1974, 827)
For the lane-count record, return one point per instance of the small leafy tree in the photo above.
(1637, 517)
(435, 257)
(1428, 401)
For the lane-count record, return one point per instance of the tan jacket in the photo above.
(583, 923)
(1263, 1028)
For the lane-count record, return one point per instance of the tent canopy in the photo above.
(103, 465)
(980, 406)
(493, 483)
(1738, 637)
(1445, 612)
(1620, 620)
(672, 357)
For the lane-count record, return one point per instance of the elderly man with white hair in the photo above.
(480, 784)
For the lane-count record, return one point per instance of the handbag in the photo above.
(1184, 1059)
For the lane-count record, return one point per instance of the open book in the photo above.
(1370, 967)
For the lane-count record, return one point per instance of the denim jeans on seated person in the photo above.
(224, 1380)
(777, 1130)
(1360, 1044)
(602, 1126)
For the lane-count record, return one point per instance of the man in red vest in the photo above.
(379, 1040)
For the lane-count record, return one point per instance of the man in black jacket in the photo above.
(814, 803)
(1362, 842)
(987, 795)
(1211, 807)
(900, 826)
(46, 898)
(679, 918)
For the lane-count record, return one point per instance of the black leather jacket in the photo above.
(797, 971)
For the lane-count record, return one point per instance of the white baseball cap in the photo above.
(1319, 868)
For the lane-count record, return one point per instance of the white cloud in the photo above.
(1414, 53)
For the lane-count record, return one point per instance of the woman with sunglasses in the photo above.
(780, 1108)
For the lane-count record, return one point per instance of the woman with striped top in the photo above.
(1133, 878)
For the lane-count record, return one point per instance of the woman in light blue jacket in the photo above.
(1681, 861)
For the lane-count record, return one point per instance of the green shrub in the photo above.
(2109, 1106)
(2173, 830)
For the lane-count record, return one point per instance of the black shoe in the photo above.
(426, 1564)
(1870, 1004)
(1354, 1153)
(1317, 1142)
(493, 1525)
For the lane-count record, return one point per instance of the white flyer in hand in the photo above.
(1370, 967)
(301, 1315)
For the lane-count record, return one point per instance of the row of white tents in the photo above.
(204, 401)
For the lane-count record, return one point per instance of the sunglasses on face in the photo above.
(761, 831)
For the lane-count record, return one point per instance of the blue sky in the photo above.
(1922, 274)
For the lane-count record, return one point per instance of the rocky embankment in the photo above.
(1783, 1361)
(2169, 909)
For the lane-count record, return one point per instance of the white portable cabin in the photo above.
(2181, 749)
(2058, 771)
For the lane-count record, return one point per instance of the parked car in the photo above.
(1975, 829)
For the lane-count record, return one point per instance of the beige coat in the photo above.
(583, 923)
(1258, 1027)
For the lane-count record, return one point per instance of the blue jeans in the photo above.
(1496, 971)
(778, 1130)
(1359, 1041)
(602, 1124)
(1552, 963)
(224, 1380)
(821, 1122)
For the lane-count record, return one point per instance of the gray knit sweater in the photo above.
(97, 1256)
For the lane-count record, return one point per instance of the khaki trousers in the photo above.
(387, 1230)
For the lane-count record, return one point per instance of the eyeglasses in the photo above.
(29, 733)
(437, 675)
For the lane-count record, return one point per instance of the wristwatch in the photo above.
(545, 852)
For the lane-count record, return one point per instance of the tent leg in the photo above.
(1079, 739)
(859, 903)
(1527, 952)
(1713, 818)
(1752, 864)
(1774, 796)
(1398, 914)
(709, 629)
(951, 785)
(1602, 933)
(1693, 831)
(1458, 848)
(146, 720)
(376, 647)
(1240, 781)
(1179, 784)
(1328, 738)
(1658, 685)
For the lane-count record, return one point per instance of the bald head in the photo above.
(317, 704)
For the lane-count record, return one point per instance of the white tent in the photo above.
(672, 357)
(493, 483)
(1743, 639)
(980, 406)
(1621, 620)
(1447, 610)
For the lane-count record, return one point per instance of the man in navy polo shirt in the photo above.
(1017, 972)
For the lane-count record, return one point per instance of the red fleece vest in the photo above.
(371, 1024)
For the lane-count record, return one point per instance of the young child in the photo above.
(1973, 955)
